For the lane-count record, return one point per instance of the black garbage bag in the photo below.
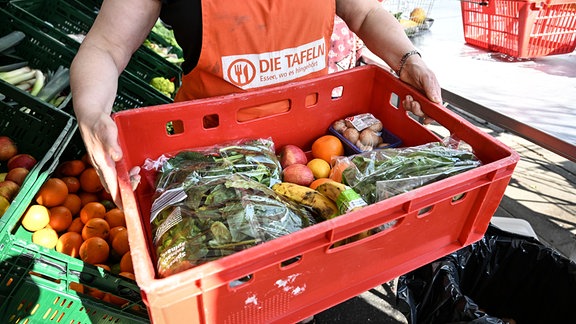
(503, 278)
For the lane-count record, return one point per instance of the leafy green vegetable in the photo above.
(427, 163)
(219, 217)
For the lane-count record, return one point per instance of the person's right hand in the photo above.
(100, 137)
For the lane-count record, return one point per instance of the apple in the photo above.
(17, 175)
(3, 176)
(4, 204)
(23, 160)
(299, 174)
(9, 189)
(7, 148)
(291, 154)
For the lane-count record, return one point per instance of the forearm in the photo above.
(379, 30)
(93, 79)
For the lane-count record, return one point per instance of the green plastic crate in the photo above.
(41, 51)
(60, 18)
(38, 130)
(38, 284)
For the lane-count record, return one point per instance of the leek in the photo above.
(56, 83)
(10, 40)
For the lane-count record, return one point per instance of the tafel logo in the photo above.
(241, 72)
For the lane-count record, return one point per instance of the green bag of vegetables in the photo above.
(216, 201)
(380, 174)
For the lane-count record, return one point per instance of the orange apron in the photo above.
(256, 43)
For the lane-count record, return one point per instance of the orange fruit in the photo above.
(73, 203)
(318, 182)
(60, 218)
(69, 243)
(45, 237)
(94, 250)
(103, 266)
(110, 298)
(114, 231)
(128, 275)
(86, 159)
(91, 210)
(36, 218)
(89, 181)
(120, 243)
(320, 168)
(339, 166)
(96, 293)
(327, 146)
(52, 193)
(86, 197)
(76, 226)
(126, 264)
(72, 183)
(96, 227)
(77, 287)
(115, 217)
(72, 168)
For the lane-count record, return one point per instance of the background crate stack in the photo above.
(522, 29)
(43, 49)
(61, 18)
(415, 15)
(300, 274)
(39, 284)
(38, 130)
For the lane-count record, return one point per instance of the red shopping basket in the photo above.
(522, 29)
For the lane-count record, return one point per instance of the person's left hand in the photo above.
(416, 73)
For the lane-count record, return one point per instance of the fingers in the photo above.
(134, 177)
(414, 107)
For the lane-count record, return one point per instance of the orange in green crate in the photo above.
(61, 265)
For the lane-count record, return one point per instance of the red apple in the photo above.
(298, 174)
(291, 154)
(9, 189)
(23, 160)
(7, 148)
(17, 175)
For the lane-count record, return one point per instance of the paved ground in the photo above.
(542, 192)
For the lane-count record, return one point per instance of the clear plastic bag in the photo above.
(213, 201)
(219, 217)
(380, 174)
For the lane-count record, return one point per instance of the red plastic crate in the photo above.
(522, 29)
(297, 275)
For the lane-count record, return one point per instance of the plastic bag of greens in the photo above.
(218, 217)
(254, 158)
(380, 174)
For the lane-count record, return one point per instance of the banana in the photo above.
(306, 196)
(346, 198)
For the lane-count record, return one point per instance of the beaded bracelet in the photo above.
(404, 59)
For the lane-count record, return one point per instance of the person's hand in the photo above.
(101, 140)
(416, 73)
